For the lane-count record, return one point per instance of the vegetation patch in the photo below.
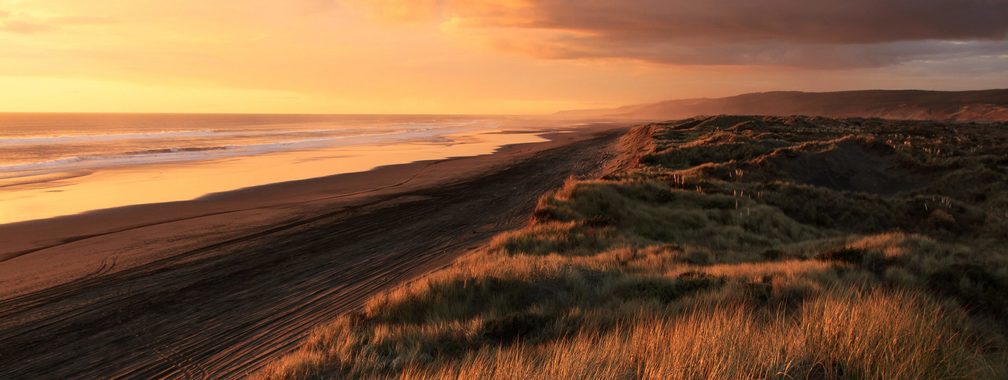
(665, 290)
(512, 327)
(734, 247)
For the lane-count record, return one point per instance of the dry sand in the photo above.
(217, 286)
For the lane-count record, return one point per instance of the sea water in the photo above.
(58, 164)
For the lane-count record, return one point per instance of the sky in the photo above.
(479, 57)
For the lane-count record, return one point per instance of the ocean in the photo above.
(34, 144)
(57, 164)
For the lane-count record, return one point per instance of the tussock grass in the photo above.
(706, 260)
(839, 336)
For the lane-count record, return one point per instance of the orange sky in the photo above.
(444, 56)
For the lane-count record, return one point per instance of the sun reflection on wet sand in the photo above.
(125, 186)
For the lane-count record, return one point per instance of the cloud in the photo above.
(834, 34)
(820, 56)
(25, 23)
(15, 23)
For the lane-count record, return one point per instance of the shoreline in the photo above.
(75, 190)
(81, 242)
(223, 294)
(47, 232)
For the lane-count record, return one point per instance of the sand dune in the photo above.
(722, 247)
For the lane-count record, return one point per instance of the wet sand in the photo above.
(86, 189)
(215, 287)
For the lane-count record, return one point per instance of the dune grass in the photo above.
(702, 262)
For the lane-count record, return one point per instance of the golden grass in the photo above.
(716, 270)
(889, 335)
(878, 335)
(757, 270)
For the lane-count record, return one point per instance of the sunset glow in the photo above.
(319, 56)
(504, 189)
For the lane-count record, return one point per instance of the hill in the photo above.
(726, 247)
(982, 105)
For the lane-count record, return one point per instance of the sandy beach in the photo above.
(501, 189)
(217, 286)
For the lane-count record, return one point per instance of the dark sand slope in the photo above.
(216, 287)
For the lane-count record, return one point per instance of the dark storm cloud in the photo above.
(821, 34)
(797, 21)
(827, 56)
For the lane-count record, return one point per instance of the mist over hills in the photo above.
(980, 105)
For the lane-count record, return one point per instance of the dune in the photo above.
(724, 247)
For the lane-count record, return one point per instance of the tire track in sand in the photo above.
(225, 309)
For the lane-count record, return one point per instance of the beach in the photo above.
(501, 189)
(218, 285)
(57, 165)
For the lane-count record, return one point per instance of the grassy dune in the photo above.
(722, 247)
